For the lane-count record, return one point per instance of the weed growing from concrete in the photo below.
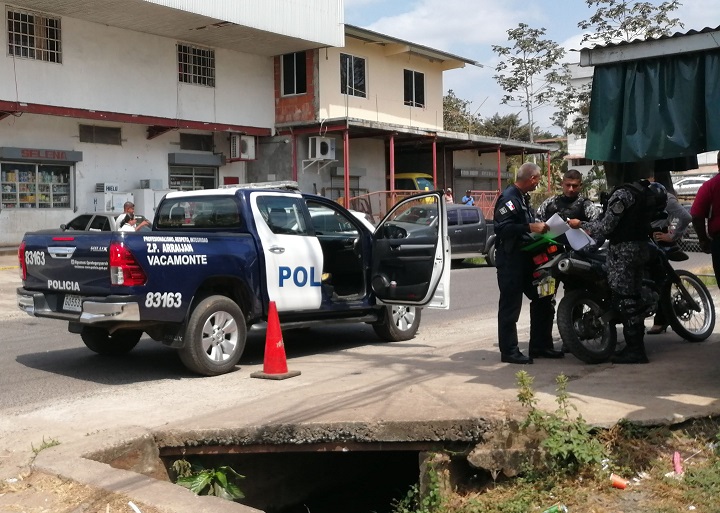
(569, 443)
(46, 444)
(220, 482)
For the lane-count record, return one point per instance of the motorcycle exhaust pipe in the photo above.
(573, 266)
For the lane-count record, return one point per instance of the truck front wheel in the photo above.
(101, 341)
(398, 323)
(214, 337)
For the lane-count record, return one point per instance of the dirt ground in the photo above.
(42, 493)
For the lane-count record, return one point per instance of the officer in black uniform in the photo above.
(626, 222)
(514, 220)
(570, 204)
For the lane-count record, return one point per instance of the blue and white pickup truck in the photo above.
(214, 259)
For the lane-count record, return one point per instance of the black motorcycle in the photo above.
(585, 317)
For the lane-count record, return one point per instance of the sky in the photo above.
(469, 28)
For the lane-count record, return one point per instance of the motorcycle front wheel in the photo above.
(582, 329)
(686, 321)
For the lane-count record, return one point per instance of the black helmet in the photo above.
(658, 196)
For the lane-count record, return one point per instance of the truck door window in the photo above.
(452, 216)
(100, 224)
(283, 214)
(327, 221)
(469, 216)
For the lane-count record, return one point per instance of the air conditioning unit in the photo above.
(321, 148)
(242, 147)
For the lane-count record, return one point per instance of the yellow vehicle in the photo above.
(414, 182)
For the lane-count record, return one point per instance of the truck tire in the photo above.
(214, 337)
(490, 255)
(102, 342)
(398, 323)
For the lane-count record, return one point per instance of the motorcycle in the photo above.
(585, 316)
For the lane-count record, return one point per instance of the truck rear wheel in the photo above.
(398, 323)
(101, 341)
(214, 337)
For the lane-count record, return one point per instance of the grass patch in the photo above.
(46, 444)
(578, 460)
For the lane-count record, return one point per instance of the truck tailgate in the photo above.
(66, 262)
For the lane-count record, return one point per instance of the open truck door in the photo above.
(411, 253)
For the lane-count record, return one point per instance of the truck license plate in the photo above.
(72, 303)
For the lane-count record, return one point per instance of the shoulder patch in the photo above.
(618, 207)
(510, 205)
(502, 211)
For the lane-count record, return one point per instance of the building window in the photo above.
(294, 73)
(34, 36)
(352, 75)
(196, 65)
(414, 88)
(35, 185)
(100, 135)
(184, 178)
(197, 142)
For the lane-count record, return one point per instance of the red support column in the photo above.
(434, 160)
(294, 158)
(346, 165)
(392, 163)
(499, 162)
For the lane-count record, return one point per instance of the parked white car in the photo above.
(690, 184)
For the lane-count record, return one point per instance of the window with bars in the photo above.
(294, 74)
(33, 35)
(196, 65)
(352, 75)
(414, 88)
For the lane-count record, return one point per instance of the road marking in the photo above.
(8, 267)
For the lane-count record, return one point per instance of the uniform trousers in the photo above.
(514, 275)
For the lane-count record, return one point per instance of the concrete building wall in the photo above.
(109, 69)
(136, 159)
(384, 101)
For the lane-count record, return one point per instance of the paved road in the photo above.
(52, 387)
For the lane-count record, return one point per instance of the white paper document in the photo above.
(577, 237)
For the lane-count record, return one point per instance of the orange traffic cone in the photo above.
(275, 363)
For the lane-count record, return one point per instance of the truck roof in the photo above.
(230, 190)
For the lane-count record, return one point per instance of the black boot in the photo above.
(634, 351)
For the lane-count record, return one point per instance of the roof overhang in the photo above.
(217, 24)
(156, 125)
(394, 46)
(414, 139)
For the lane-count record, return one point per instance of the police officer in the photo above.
(570, 204)
(626, 222)
(514, 220)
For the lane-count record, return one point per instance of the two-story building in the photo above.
(103, 97)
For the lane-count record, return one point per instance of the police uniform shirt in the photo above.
(512, 216)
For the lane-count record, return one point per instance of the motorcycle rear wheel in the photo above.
(584, 332)
(691, 325)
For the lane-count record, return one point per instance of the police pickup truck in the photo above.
(213, 261)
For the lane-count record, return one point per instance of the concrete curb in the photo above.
(78, 461)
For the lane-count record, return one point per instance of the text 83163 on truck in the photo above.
(215, 258)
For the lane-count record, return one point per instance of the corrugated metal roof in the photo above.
(705, 39)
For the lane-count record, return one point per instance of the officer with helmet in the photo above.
(626, 223)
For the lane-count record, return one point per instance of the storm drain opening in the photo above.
(325, 477)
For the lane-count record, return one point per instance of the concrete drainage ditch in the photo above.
(351, 467)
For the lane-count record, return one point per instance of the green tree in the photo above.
(613, 21)
(530, 70)
(457, 116)
(616, 21)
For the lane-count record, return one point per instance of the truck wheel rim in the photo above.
(219, 336)
(403, 317)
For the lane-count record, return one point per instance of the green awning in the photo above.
(653, 109)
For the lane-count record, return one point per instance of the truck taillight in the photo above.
(21, 261)
(124, 268)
